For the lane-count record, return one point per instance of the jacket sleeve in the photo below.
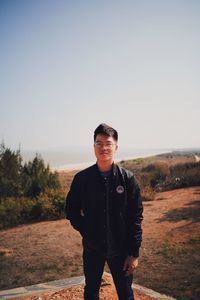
(134, 217)
(73, 205)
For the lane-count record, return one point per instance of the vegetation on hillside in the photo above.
(28, 192)
(164, 172)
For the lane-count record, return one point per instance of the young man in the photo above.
(105, 206)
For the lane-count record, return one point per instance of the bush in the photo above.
(183, 175)
(158, 176)
(155, 174)
(147, 194)
(16, 211)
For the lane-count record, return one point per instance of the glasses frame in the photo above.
(100, 145)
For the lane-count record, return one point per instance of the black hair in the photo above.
(105, 129)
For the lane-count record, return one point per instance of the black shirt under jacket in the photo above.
(85, 208)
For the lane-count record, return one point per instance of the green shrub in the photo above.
(10, 211)
(16, 211)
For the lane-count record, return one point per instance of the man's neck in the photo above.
(105, 166)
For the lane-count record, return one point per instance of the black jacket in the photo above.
(85, 208)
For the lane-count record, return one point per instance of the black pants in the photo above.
(93, 265)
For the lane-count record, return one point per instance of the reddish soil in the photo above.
(170, 253)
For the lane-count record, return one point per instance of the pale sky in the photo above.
(66, 66)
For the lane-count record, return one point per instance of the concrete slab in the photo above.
(20, 293)
(151, 293)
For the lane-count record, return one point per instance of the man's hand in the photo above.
(130, 265)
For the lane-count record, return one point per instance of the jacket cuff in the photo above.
(134, 253)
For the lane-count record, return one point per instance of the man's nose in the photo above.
(105, 147)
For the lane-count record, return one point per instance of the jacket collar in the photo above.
(113, 170)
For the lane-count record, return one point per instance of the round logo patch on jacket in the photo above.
(120, 189)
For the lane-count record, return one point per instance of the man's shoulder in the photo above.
(125, 172)
(128, 176)
(86, 172)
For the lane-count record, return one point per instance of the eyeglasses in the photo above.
(100, 145)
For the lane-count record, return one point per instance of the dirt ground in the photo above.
(170, 254)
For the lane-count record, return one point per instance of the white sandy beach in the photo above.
(83, 165)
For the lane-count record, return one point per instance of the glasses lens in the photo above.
(101, 145)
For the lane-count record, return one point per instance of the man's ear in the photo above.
(116, 147)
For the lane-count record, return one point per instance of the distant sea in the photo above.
(78, 158)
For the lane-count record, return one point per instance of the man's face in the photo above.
(104, 148)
